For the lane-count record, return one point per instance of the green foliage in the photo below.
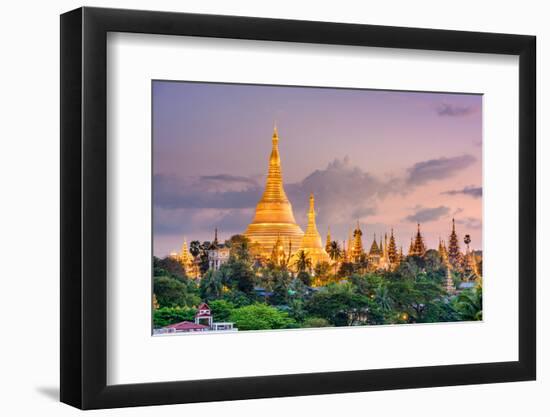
(171, 315)
(171, 292)
(339, 305)
(169, 267)
(200, 251)
(304, 277)
(239, 299)
(469, 304)
(334, 251)
(322, 270)
(346, 269)
(221, 309)
(261, 317)
(211, 285)
(238, 274)
(280, 286)
(302, 262)
(311, 322)
(413, 293)
(239, 247)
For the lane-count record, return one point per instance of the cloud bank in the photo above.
(472, 191)
(445, 109)
(425, 215)
(470, 222)
(438, 169)
(343, 193)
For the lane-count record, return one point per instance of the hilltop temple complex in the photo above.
(275, 237)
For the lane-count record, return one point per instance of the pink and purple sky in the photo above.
(385, 158)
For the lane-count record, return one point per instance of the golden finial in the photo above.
(275, 136)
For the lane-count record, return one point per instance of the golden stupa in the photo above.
(312, 244)
(274, 218)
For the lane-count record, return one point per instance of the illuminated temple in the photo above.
(274, 220)
(312, 244)
(275, 237)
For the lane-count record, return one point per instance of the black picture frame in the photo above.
(84, 207)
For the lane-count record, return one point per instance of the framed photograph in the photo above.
(257, 208)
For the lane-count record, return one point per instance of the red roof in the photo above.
(203, 306)
(186, 325)
(203, 315)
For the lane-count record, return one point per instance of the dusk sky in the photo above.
(385, 158)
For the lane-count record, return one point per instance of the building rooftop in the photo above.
(186, 325)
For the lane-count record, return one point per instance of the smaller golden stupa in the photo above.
(312, 244)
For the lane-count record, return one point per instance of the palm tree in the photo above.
(469, 304)
(335, 253)
(303, 263)
(383, 298)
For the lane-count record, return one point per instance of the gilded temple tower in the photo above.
(329, 241)
(312, 244)
(357, 248)
(453, 251)
(393, 256)
(274, 217)
(418, 247)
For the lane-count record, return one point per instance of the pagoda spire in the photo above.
(350, 246)
(411, 248)
(278, 254)
(274, 185)
(274, 213)
(214, 244)
(311, 225)
(311, 242)
(453, 250)
(393, 256)
(186, 259)
(419, 249)
(374, 250)
(329, 241)
(357, 250)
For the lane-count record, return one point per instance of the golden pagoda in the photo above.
(357, 249)
(278, 255)
(328, 242)
(312, 244)
(185, 257)
(274, 218)
(418, 249)
(186, 260)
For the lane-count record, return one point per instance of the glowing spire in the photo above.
(311, 242)
(329, 240)
(374, 250)
(453, 251)
(357, 250)
(419, 249)
(274, 214)
(393, 256)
